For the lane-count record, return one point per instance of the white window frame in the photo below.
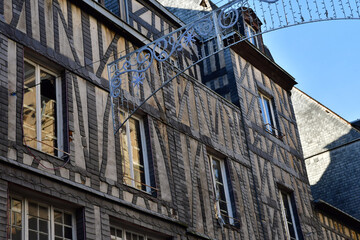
(251, 34)
(59, 116)
(51, 225)
(226, 187)
(125, 230)
(291, 213)
(271, 110)
(144, 150)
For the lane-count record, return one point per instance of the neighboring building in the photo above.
(189, 165)
(331, 148)
(335, 224)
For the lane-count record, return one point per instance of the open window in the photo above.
(135, 162)
(42, 109)
(290, 217)
(250, 32)
(222, 193)
(268, 115)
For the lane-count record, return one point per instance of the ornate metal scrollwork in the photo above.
(227, 23)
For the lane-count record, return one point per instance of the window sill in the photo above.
(43, 155)
(276, 133)
(136, 190)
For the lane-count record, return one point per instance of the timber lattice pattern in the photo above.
(177, 52)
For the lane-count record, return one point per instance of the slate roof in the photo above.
(188, 10)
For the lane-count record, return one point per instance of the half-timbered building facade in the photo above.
(189, 165)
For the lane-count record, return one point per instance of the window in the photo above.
(42, 109)
(267, 113)
(290, 217)
(223, 201)
(134, 153)
(250, 31)
(31, 220)
(123, 234)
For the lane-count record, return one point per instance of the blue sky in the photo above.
(324, 59)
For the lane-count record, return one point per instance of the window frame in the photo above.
(145, 234)
(250, 33)
(50, 211)
(144, 153)
(59, 107)
(267, 122)
(226, 188)
(284, 217)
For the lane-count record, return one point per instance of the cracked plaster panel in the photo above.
(12, 154)
(12, 88)
(79, 149)
(111, 169)
(188, 165)
(108, 36)
(8, 11)
(49, 23)
(101, 99)
(84, 103)
(97, 222)
(163, 175)
(35, 20)
(65, 48)
(194, 121)
(94, 42)
(47, 167)
(204, 114)
(22, 20)
(78, 33)
(65, 173)
(128, 196)
(27, 159)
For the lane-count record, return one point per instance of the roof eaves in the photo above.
(337, 213)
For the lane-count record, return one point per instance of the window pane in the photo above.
(33, 210)
(58, 217)
(68, 232)
(15, 233)
(288, 216)
(29, 106)
(67, 219)
(43, 212)
(16, 205)
(48, 113)
(43, 226)
(112, 231)
(220, 189)
(17, 219)
(125, 152)
(58, 230)
(267, 112)
(137, 154)
(33, 223)
(119, 233)
(33, 235)
(43, 236)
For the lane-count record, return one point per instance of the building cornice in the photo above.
(259, 60)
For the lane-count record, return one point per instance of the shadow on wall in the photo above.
(339, 181)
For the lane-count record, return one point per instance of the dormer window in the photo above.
(268, 115)
(250, 31)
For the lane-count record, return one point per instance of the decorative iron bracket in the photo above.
(224, 26)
